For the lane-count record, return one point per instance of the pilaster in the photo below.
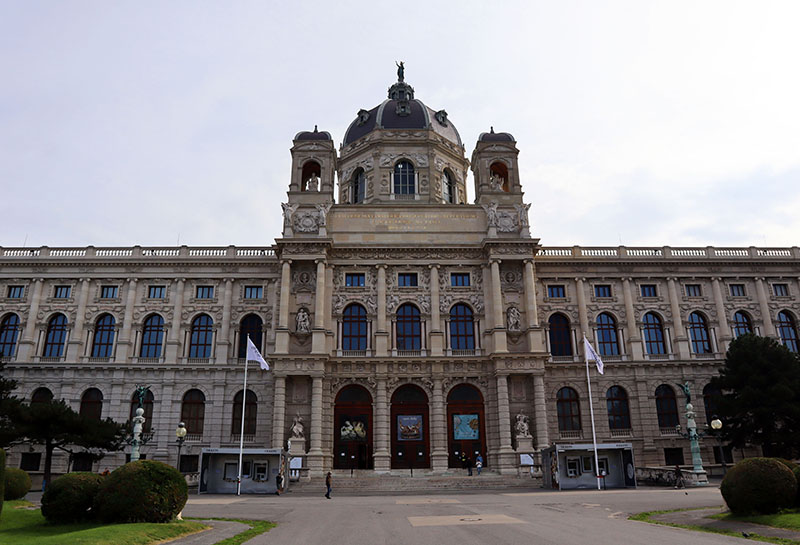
(75, 346)
(282, 332)
(124, 348)
(173, 340)
(499, 331)
(382, 428)
(438, 429)
(436, 335)
(766, 315)
(315, 456)
(279, 412)
(681, 341)
(634, 344)
(26, 349)
(382, 334)
(506, 458)
(318, 333)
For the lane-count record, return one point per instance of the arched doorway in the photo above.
(466, 427)
(352, 428)
(410, 430)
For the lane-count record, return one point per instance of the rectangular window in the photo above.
(61, 292)
(602, 290)
(737, 290)
(407, 280)
(648, 290)
(82, 461)
(780, 290)
(253, 292)
(190, 463)
(108, 292)
(556, 292)
(355, 280)
(15, 292)
(30, 461)
(205, 292)
(156, 292)
(231, 471)
(573, 467)
(673, 456)
(459, 279)
(693, 290)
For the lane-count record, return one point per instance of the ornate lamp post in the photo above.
(694, 438)
(716, 425)
(180, 434)
(136, 441)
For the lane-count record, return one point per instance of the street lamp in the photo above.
(180, 434)
(716, 425)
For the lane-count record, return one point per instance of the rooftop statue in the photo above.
(401, 71)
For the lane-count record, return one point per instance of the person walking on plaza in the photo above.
(479, 463)
(679, 477)
(278, 483)
(469, 466)
(328, 485)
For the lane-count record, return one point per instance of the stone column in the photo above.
(315, 457)
(436, 335)
(540, 406)
(500, 340)
(582, 315)
(382, 334)
(634, 343)
(724, 329)
(766, 313)
(27, 344)
(279, 412)
(680, 342)
(535, 333)
(124, 347)
(282, 332)
(318, 333)
(438, 429)
(506, 459)
(382, 427)
(75, 347)
(173, 352)
(223, 338)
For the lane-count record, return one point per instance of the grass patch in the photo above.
(22, 526)
(789, 520)
(257, 527)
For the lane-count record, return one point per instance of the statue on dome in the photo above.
(312, 184)
(401, 71)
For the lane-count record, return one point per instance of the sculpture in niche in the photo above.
(288, 212)
(496, 182)
(521, 426)
(312, 184)
(303, 321)
(513, 319)
(298, 428)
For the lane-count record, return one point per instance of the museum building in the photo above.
(404, 326)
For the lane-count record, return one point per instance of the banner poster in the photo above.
(409, 427)
(353, 428)
(466, 426)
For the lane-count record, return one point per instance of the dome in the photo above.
(492, 136)
(315, 135)
(401, 111)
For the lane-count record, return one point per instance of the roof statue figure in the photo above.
(401, 71)
(686, 392)
(141, 394)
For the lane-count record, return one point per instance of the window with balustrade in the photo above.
(787, 330)
(742, 324)
(354, 327)
(55, 337)
(103, 340)
(607, 337)
(250, 412)
(666, 407)
(9, 331)
(560, 335)
(568, 409)
(152, 337)
(698, 333)
(462, 332)
(251, 326)
(202, 333)
(408, 328)
(404, 178)
(653, 329)
(193, 411)
(619, 415)
(92, 404)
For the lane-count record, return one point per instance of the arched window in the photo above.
(787, 330)
(9, 329)
(250, 408)
(193, 411)
(710, 396)
(149, 399)
(568, 409)
(654, 334)
(666, 406)
(202, 333)
(404, 179)
(619, 415)
(358, 187)
(56, 335)
(409, 328)
(607, 341)
(698, 332)
(152, 337)
(41, 395)
(310, 169)
(92, 404)
(742, 324)
(253, 326)
(448, 188)
(103, 342)
(462, 330)
(560, 335)
(354, 327)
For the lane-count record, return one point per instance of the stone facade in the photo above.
(359, 304)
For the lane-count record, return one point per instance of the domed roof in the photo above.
(401, 111)
(315, 135)
(492, 136)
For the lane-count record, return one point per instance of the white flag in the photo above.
(592, 355)
(254, 355)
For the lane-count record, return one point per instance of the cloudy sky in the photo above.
(639, 123)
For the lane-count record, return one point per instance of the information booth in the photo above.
(219, 470)
(571, 466)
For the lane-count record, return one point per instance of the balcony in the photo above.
(621, 433)
(570, 434)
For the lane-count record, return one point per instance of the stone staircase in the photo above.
(401, 482)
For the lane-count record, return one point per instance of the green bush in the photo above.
(2, 477)
(142, 491)
(796, 472)
(759, 486)
(18, 483)
(70, 497)
(788, 463)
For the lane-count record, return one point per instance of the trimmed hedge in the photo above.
(2, 477)
(796, 472)
(141, 491)
(70, 497)
(759, 486)
(18, 483)
(788, 463)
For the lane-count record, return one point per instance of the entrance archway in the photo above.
(410, 430)
(352, 428)
(466, 428)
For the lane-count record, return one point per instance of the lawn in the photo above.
(20, 525)
(789, 520)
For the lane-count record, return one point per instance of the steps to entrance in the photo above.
(368, 482)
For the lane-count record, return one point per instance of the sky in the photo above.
(162, 123)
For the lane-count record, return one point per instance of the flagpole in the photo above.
(241, 433)
(591, 412)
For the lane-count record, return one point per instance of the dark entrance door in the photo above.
(352, 429)
(410, 431)
(466, 427)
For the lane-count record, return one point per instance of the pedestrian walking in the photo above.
(479, 463)
(463, 459)
(278, 483)
(679, 477)
(328, 485)
(469, 466)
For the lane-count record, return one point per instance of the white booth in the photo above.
(571, 466)
(219, 470)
